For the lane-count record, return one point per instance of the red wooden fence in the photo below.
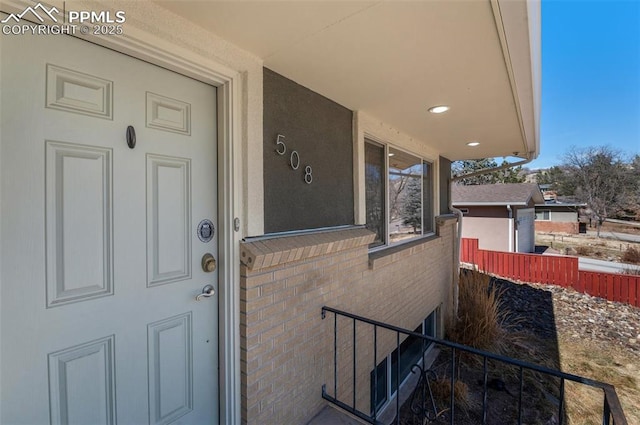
(552, 269)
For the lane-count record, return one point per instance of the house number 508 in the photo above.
(294, 159)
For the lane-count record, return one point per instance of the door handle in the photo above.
(207, 292)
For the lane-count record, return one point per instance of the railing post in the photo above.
(398, 378)
(374, 408)
(484, 392)
(453, 384)
(560, 414)
(520, 397)
(335, 355)
(606, 412)
(354, 364)
(612, 406)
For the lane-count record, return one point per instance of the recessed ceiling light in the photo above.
(473, 144)
(438, 109)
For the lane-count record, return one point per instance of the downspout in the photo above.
(456, 253)
(458, 213)
(510, 228)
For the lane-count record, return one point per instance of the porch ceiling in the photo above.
(395, 59)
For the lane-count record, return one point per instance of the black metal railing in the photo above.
(422, 402)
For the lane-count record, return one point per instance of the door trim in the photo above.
(155, 49)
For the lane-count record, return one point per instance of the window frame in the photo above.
(390, 390)
(543, 212)
(431, 178)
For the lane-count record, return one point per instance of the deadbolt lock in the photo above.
(208, 263)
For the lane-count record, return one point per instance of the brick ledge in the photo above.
(277, 251)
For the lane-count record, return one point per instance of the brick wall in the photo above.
(544, 226)
(286, 346)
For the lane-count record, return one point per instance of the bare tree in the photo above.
(396, 192)
(601, 179)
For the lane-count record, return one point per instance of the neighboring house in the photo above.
(559, 217)
(179, 202)
(500, 216)
(548, 193)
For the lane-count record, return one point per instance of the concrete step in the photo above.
(331, 415)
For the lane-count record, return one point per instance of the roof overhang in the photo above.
(394, 59)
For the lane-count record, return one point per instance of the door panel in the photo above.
(99, 256)
(78, 221)
(168, 219)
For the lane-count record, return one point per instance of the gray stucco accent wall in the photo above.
(320, 131)
(445, 178)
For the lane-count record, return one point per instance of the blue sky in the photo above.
(590, 77)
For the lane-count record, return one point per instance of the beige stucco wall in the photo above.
(492, 233)
(286, 346)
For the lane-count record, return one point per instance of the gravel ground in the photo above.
(548, 310)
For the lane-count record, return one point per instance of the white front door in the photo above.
(101, 242)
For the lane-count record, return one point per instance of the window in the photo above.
(379, 386)
(384, 378)
(543, 215)
(410, 354)
(399, 194)
(431, 324)
(375, 191)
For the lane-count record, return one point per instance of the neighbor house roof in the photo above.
(518, 194)
(551, 205)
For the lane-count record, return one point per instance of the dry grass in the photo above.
(631, 255)
(587, 245)
(583, 251)
(622, 228)
(479, 322)
(441, 389)
(606, 364)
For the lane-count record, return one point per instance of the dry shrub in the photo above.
(631, 255)
(479, 322)
(441, 389)
(583, 250)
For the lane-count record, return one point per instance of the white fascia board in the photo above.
(521, 46)
(489, 204)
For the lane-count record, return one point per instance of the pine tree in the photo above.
(412, 206)
(508, 175)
